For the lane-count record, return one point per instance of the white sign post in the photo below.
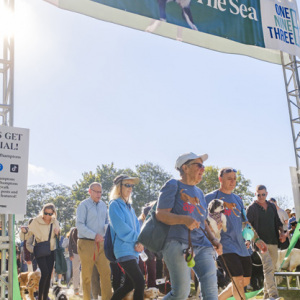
(14, 147)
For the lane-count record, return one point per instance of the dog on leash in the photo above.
(257, 276)
(29, 281)
(59, 293)
(185, 7)
(149, 294)
(216, 217)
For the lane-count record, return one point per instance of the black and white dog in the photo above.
(216, 218)
(59, 293)
(257, 277)
(186, 11)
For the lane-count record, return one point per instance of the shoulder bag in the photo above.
(109, 244)
(153, 232)
(42, 249)
(60, 261)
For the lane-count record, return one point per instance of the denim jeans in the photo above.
(180, 273)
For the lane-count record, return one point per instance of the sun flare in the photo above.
(7, 22)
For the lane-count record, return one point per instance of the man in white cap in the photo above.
(181, 204)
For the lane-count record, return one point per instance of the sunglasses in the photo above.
(200, 166)
(225, 171)
(258, 195)
(48, 214)
(128, 185)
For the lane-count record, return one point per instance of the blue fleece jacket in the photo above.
(125, 228)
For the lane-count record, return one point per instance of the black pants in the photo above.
(133, 280)
(46, 266)
(117, 275)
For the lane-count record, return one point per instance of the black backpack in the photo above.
(109, 245)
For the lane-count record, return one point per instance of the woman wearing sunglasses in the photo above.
(125, 229)
(189, 243)
(40, 227)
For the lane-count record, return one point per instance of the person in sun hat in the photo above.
(181, 204)
(125, 229)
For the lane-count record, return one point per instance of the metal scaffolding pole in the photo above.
(290, 68)
(7, 118)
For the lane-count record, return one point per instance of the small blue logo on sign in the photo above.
(1, 167)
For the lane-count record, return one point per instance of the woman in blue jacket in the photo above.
(125, 229)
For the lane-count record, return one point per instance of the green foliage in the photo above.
(152, 178)
(40, 194)
(66, 213)
(210, 182)
(81, 187)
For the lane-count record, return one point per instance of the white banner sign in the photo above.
(257, 28)
(14, 146)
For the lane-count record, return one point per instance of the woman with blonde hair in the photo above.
(125, 229)
(45, 227)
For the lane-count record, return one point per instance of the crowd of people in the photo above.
(183, 206)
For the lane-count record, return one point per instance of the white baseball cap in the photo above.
(188, 156)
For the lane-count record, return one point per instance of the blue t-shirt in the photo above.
(185, 200)
(232, 240)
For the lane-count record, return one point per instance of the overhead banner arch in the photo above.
(256, 28)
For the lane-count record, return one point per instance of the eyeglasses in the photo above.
(97, 192)
(258, 195)
(200, 166)
(128, 185)
(227, 171)
(48, 214)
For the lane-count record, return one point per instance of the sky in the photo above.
(93, 93)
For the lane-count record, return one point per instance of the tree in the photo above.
(152, 178)
(105, 174)
(210, 182)
(40, 194)
(284, 201)
(80, 188)
(66, 215)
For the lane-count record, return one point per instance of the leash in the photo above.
(189, 252)
(225, 264)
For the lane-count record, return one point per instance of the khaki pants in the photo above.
(76, 272)
(91, 255)
(269, 260)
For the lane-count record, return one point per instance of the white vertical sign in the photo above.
(14, 146)
(295, 176)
